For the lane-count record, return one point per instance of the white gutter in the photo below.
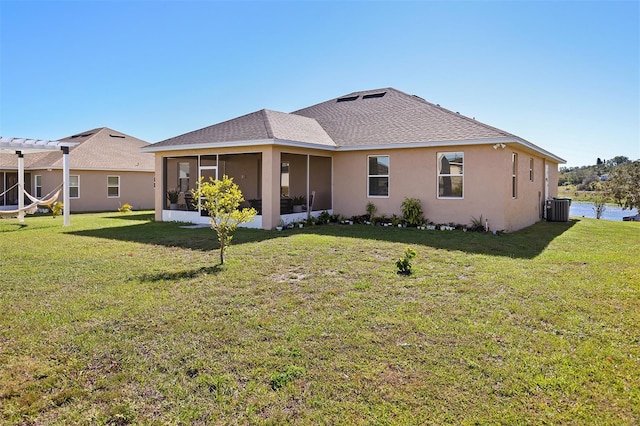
(345, 148)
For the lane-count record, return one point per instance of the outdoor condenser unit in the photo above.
(558, 209)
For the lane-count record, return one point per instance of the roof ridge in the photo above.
(267, 123)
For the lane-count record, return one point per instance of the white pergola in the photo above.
(21, 146)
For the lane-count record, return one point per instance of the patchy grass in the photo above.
(121, 320)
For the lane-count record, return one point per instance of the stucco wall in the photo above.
(413, 173)
(136, 188)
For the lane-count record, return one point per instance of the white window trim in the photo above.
(388, 176)
(78, 186)
(36, 186)
(531, 169)
(113, 186)
(438, 175)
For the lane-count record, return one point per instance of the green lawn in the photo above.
(121, 320)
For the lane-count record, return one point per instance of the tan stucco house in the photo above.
(377, 146)
(106, 167)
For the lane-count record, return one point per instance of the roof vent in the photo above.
(348, 98)
(116, 136)
(374, 95)
(81, 136)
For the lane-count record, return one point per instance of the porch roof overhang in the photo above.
(26, 146)
(238, 144)
(334, 148)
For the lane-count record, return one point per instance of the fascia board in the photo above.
(211, 145)
(433, 144)
(236, 144)
(454, 143)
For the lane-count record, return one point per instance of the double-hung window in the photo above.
(378, 175)
(74, 186)
(37, 183)
(113, 186)
(450, 174)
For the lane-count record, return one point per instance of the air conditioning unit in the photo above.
(558, 209)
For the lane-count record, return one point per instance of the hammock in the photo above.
(35, 202)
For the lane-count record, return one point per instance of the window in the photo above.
(450, 174)
(531, 169)
(37, 183)
(378, 176)
(74, 186)
(284, 179)
(113, 186)
(514, 175)
(183, 177)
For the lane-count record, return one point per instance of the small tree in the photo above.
(221, 199)
(623, 184)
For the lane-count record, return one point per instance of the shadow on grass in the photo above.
(133, 216)
(526, 243)
(11, 227)
(172, 276)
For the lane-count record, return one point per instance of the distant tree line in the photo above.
(587, 178)
(617, 179)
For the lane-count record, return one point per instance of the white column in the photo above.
(308, 201)
(65, 185)
(20, 186)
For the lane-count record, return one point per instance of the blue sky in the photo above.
(564, 75)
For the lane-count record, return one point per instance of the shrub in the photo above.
(324, 217)
(477, 225)
(371, 211)
(412, 211)
(404, 263)
(125, 208)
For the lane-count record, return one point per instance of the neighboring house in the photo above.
(377, 146)
(107, 170)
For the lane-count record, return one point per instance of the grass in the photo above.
(121, 320)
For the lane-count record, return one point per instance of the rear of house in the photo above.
(378, 146)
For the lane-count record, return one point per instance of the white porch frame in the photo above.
(21, 146)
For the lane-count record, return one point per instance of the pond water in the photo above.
(588, 210)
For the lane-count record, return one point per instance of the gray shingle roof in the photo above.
(97, 149)
(374, 117)
(389, 116)
(381, 117)
(260, 125)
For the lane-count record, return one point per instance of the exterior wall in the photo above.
(413, 173)
(136, 188)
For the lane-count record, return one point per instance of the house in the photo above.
(377, 146)
(107, 169)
